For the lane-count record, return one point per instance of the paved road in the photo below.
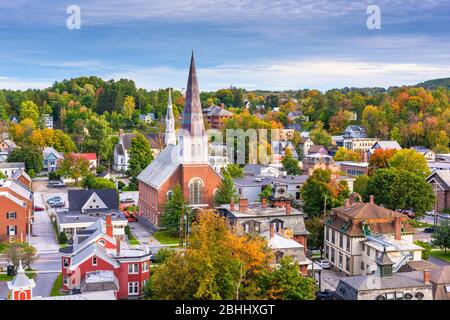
(142, 233)
(3, 289)
(44, 284)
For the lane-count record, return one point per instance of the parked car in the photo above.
(429, 230)
(324, 264)
(409, 213)
(324, 295)
(127, 200)
(59, 184)
(54, 199)
(444, 216)
(58, 204)
(430, 213)
(36, 208)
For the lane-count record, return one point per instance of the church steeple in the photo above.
(192, 120)
(170, 136)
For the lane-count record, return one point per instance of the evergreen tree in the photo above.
(170, 220)
(290, 164)
(141, 156)
(225, 191)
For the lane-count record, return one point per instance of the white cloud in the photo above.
(18, 84)
(318, 74)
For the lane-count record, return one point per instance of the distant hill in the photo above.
(435, 83)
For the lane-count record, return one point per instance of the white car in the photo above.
(444, 216)
(324, 264)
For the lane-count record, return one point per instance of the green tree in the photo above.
(98, 139)
(360, 186)
(32, 157)
(234, 170)
(28, 109)
(225, 191)
(410, 160)
(399, 189)
(320, 136)
(316, 232)
(74, 167)
(141, 156)
(290, 165)
(128, 107)
(442, 235)
(342, 154)
(93, 182)
(287, 283)
(170, 220)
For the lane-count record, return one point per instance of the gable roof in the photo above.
(316, 148)
(88, 156)
(78, 198)
(441, 177)
(392, 144)
(440, 275)
(217, 111)
(20, 172)
(49, 151)
(354, 127)
(160, 169)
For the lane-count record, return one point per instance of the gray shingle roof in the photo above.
(77, 198)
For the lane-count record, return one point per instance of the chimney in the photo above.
(426, 276)
(288, 207)
(272, 231)
(232, 204)
(347, 203)
(264, 202)
(398, 228)
(109, 226)
(243, 204)
(371, 199)
(118, 246)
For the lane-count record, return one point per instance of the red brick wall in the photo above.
(25, 181)
(182, 176)
(21, 221)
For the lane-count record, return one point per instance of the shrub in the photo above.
(426, 246)
(54, 176)
(62, 238)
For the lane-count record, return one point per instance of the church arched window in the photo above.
(169, 195)
(195, 191)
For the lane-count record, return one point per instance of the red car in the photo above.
(38, 208)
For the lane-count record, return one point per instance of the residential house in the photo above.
(388, 145)
(9, 168)
(317, 148)
(293, 184)
(440, 180)
(147, 117)
(354, 131)
(216, 116)
(440, 279)
(122, 148)
(47, 121)
(261, 217)
(23, 177)
(357, 234)
(6, 147)
(319, 161)
(51, 159)
(386, 284)
(305, 144)
(99, 261)
(294, 126)
(294, 115)
(337, 141)
(183, 162)
(13, 119)
(259, 170)
(279, 150)
(89, 157)
(250, 187)
(429, 155)
(16, 203)
(438, 166)
(351, 168)
(359, 144)
(286, 134)
(86, 207)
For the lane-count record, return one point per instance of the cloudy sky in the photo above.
(264, 44)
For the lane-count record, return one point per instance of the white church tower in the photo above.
(170, 136)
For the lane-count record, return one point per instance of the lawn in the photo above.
(134, 242)
(56, 289)
(2, 247)
(441, 254)
(165, 237)
(5, 277)
(419, 224)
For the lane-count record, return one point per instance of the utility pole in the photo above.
(435, 216)
(325, 206)
(181, 226)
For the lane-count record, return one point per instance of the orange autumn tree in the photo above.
(380, 159)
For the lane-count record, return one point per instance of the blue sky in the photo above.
(257, 44)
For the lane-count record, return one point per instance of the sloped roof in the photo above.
(88, 156)
(20, 172)
(440, 275)
(444, 177)
(218, 111)
(91, 250)
(78, 198)
(280, 242)
(162, 167)
(388, 145)
(355, 128)
(21, 280)
(50, 150)
(316, 148)
(7, 165)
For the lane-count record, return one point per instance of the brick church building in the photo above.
(183, 162)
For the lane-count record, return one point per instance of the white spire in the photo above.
(170, 136)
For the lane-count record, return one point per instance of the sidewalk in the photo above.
(142, 233)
